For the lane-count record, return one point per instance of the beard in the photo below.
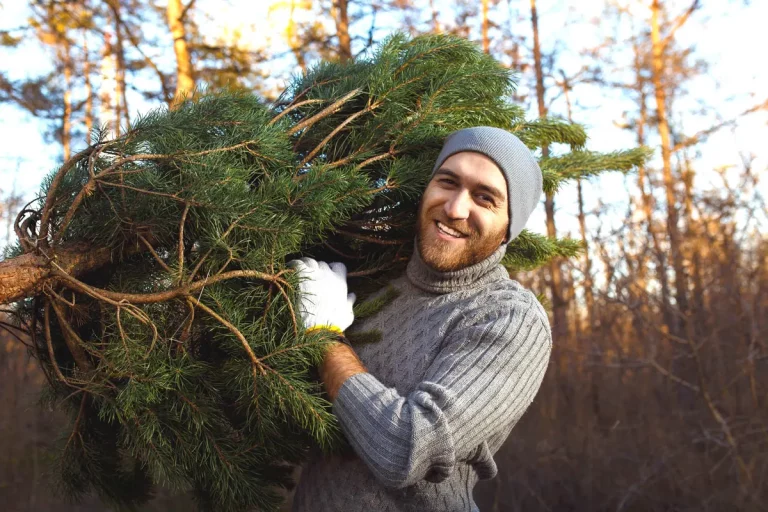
(446, 256)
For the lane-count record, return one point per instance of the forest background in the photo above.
(655, 398)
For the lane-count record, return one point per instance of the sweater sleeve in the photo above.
(482, 381)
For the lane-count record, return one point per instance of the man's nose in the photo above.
(457, 207)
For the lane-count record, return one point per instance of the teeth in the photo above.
(448, 231)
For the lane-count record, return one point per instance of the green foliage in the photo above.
(546, 131)
(584, 164)
(531, 250)
(372, 306)
(193, 372)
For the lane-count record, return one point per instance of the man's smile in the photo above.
(448, 232)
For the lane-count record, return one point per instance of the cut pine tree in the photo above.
(151, 275)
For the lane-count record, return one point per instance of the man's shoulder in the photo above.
(507, 296)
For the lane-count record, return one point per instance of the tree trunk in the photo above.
(694, 250)
(560, 320)
(486, 42)
(647, 198)
(66, 118)
(588, 286)
(185, 79)
(293, 39)
(341, 18)
(589, 297)
(88, 90)
(27, 275)
(657, 76)
(121, 101)
(435, 21)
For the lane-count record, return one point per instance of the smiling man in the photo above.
(463, 351)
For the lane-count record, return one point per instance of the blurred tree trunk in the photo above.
(294, 41)
(560, 320)
(341, 17)
(486, 42)
(657, 77)
(693, 247)
(88, 119)
(435, 21)
(589, 297)
(65, 55)
(646, 195)
(108, 87)
(185, 77)
(121, 102)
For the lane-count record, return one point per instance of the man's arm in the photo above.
(483, 380)
(339, 364)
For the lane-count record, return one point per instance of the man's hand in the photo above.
(324, 302)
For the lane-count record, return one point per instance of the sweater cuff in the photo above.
(401, 439)
(361, 404)
(352, 394)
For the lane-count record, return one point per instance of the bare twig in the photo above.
(151, 298)
(328, 137)
(49, 343)
(71, 339)
(234, 330)
(45, 216)
(679, 22)
(154, 254)
(181, 241)
(674, 378)
(329, 110)
(293, 107)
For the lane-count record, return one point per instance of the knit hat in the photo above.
(513, 158)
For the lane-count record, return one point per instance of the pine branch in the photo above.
(531, 250)
(584, 164)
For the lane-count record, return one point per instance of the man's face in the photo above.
(463, 215)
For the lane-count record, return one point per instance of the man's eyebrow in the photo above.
(449, 172)
(498, 194)
(495, 192)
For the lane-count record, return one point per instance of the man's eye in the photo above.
(447, 181)
(485, 199)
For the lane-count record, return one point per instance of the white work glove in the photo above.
(324, 302)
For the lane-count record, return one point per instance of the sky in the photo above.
(727, 34)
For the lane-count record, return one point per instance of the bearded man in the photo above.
(463, 351)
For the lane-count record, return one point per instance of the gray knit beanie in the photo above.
(517, 164)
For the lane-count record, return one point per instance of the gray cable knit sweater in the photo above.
(461, 357)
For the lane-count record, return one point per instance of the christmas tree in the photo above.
(151, 273)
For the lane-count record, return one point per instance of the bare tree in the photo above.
(658, 72)
(559, 305)
(341, 18)
(185, 74)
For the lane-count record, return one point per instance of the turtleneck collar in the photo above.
(430, 280)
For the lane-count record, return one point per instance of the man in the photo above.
(463, 349)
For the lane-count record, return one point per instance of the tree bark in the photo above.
(657, 76)
(341, 18)
(560, 320)
(27, 275)
(185, 78)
